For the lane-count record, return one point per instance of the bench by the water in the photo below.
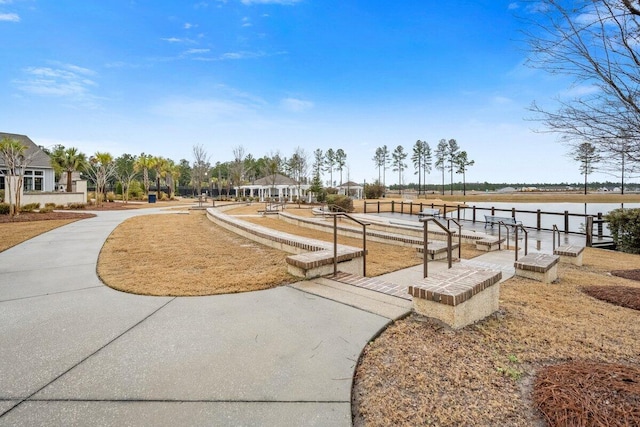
(507, 220)
(429, 212)
(458, 296)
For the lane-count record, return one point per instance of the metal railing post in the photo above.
(424, 253)
(335, 245)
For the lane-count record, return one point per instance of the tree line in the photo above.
(447, 157)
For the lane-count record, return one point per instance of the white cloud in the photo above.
(197, 51)
(282, 2)
(68, 81)
(187, 25)
(513, 6)
(241, 55)
(296, 105)
(9, 17)
(176, 40)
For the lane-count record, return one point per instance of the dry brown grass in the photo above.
(186, 254)
(14, 233)
(381, 258)
(419, 372)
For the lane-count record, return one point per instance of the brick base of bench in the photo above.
(540, 267)
(570, 254)
(320, 263)
(438, 250)
(459, 296)
(489, 244)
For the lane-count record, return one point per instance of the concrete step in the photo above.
(378, 303)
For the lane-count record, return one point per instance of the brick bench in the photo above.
(458, 296)
(570, 254)
(437, 250)
(540, 267)
(489, 244)
(320, 263)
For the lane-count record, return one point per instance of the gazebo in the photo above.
(351, 189)
(274, 186)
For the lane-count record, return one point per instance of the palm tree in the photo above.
(398, 157)
(69, 160)
(144, 163)
(159, 165)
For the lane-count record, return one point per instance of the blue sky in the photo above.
(271, 75)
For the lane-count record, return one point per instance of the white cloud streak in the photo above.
(9, 17)
(296, 105)
(281, 2)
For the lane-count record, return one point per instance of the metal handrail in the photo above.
(456, 222)
(425, 254)
(526, 239)
(555, 230)
(335, 241)
(500, 224)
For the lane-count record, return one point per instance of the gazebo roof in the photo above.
(279, 180)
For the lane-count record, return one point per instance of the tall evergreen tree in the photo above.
(398, 157)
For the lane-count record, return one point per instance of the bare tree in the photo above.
(201, 166)
(101, 168)
(236, 169)
(16, 160)
(596, 44)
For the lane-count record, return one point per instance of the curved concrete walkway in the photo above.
(75, 352)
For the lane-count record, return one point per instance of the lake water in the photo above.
(547, 221)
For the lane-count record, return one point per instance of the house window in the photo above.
(2, 174)
(33, 180)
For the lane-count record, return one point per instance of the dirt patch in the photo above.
(627, 274)
(186, 254)
(421, 372)
(589, 394)
(624, 296)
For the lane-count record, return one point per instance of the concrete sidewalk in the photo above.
(75, 352)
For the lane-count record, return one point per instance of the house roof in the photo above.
(279, 180)
(39, 158)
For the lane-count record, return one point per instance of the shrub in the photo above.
(47, 208)
(77, 205)
(135, 190)
(50, 205)
(4, 209)
(340, 203)
(111, 196)
(625, 229)
(373, 191)
(30, 207)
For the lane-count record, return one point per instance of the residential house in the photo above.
(39, 174)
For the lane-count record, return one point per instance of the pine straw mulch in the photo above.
(419, 372)
(589, 394)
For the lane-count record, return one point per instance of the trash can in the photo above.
(152, 198)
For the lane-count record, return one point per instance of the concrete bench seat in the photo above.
(458, 296)
(570, 254)
(320, 263)
(437, 250)
(489, 244)
(540, 267)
